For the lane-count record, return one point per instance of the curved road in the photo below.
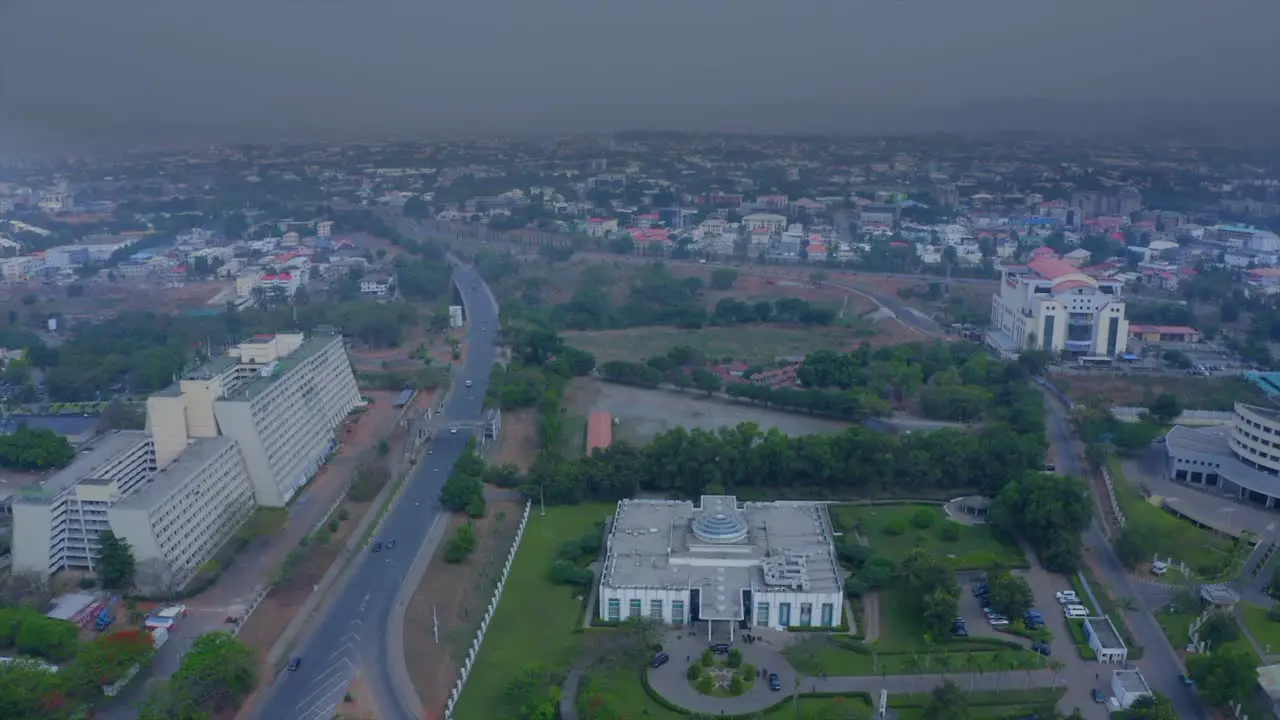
(351, 630)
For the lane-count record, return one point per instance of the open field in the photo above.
(535, 621)
(644, 413)
(1265, 630)
(1204, 552)
(889, 531)
(751, 344)
(1133, 390)
(518, 444)
(456, 595)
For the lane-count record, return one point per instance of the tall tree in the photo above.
(116, 563)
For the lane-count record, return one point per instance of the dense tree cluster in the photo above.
(217, 673)
(745, 459)
(1050, 511)
(116, 562)
(34, 449)
(730, 311)
(464, 490)
(32, 633)
(932, 588)
(29, 688)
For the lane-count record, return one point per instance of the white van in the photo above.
(1067, 597)
(1076, 611)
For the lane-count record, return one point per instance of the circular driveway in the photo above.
(670, 681)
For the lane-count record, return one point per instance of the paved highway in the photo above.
(1160, 665)
(351, 629)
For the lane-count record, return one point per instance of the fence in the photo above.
(1111, 493)
(465, 672)
(1188, 417)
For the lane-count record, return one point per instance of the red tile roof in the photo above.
(1051, 268)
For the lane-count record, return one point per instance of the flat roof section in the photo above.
(599, 431)
(309, 348)
(1132, 681)
(786, 548)
(94, 455)
(1106, 633)
(1213, 441)
(174, 476)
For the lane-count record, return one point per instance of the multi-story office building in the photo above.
(249, 428)
(1051, 305)
(727, 565)
(280, 397)
(1241, 458)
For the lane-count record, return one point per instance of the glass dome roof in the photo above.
(719, 527)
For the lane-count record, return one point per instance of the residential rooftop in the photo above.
(1132, 681)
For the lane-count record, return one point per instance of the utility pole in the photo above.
(542, 503)
(435, 624)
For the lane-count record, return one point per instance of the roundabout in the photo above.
(735, 683)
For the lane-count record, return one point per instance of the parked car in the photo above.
(999, 622)
(377, 547)
(1043, 649)
(1076, 611)
(720, 648)
(659, 660)
(1098, 697)
(1066, 596)
(1185, 680)
(980, 589)
(775, 682)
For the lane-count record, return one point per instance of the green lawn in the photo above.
(621, 689)
(902, 650)
(821, 708)
(749, 344)
(575, 436)
(535, 619)
(975, 546)
(1265, 630)
(1206, 553)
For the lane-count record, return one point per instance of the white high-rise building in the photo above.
(247, 429)
(1051, 305)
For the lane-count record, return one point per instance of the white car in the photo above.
(468, 383)
(1066, 596)
(998, 622)
(1075, 611)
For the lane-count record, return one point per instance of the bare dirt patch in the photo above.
(642, 413)
(519, 442)
(456, 596)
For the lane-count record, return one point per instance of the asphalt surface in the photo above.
(351, 630)
(1160, 665)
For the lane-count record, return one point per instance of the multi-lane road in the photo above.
(350, 631)
(1160, 665)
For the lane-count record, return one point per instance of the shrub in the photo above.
(461, 544)
(924, 518)
(736, 685)
(748, 670)
(895, 527)
(735, 658)
(707, 658)
(949, 531)
(333, 526)
(476, 506)
(704, 685)
(563, 572)
(693, 672)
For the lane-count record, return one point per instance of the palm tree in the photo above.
(945, 663)
(1057, 667)
(976, 666)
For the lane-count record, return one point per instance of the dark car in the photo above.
(775, 682)
(659, 660)
(377, 547)
(389, 544)
(294, 664)
(720, 648)
(1098, 697)
(1043, 649)
(980, 590)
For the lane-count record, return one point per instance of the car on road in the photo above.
(659, 660)
(1098, 697)
(775, 682)
(377, 547)
(1182, 678)
(453, 431)
(468, 383)
(388, 544)
(295, 663)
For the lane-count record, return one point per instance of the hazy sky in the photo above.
(101, 71)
